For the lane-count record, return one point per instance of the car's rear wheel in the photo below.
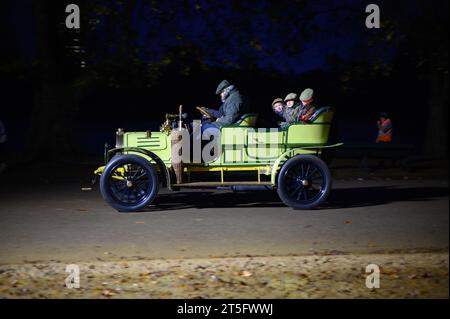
(304, 182)
(129, 183)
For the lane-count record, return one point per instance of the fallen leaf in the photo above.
(107, 293)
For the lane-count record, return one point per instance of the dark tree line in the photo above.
(236, 37)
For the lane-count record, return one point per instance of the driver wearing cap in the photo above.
(231, 109)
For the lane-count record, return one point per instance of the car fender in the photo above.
(292, 152)
(165, 174)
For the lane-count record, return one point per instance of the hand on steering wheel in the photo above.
(204, 112)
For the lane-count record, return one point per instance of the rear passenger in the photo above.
(306, 108)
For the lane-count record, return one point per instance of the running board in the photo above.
(219, 184)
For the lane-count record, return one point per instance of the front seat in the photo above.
(247, 120)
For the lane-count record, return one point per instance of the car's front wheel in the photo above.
(304, 182)
(129, 183)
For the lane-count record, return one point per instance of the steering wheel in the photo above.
(204, 112)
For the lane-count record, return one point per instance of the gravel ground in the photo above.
(403, 275)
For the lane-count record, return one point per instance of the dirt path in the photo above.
(417, 275)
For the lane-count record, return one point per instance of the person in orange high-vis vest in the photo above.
(384, 129)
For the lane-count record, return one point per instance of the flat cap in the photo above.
(290, 97)
(222, 85)
(277, 100)
(306, 95)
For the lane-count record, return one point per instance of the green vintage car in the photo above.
(286, 160)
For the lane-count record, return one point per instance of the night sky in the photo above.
(151, 56)
(276, 38)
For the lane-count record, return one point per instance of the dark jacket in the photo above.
(305, 113)
(230, 111)
(290, 114)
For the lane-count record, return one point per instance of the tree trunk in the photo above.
(436, 141)
(51, 123)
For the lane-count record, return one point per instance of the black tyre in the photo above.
(304, 182)
(129, 183)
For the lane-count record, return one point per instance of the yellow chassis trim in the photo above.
(99, 170)
(121, 170)
(264, 169)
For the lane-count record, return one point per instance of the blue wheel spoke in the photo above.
(295, 177)
(312, 173)
(134, 174)
(140, 176)
(120, 187)
(300, 192)
(141, 184)
(134, 185)
(307, 170)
